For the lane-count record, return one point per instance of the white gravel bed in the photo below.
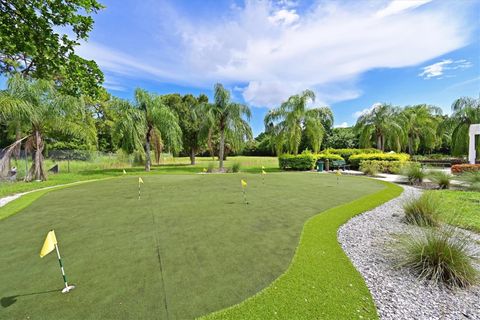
(368, 240)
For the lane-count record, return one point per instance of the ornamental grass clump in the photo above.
(472, 179)
(236, 167)
(440, 178)
(442, 256)
(414, 173)
(369, 168)
(423, 211)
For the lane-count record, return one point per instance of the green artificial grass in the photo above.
(321, 282)
(189, 247)
(460, 208)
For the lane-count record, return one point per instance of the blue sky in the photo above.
(351, 53)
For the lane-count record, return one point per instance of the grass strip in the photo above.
(321, 282)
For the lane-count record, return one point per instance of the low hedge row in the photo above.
(384, 166)
(304, 161)
(357, 158)
(348, 152)
(460, 168)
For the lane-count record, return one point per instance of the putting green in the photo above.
(189, 247)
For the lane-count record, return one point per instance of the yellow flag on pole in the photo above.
(124, 172)
(264, 172)
(49, 244)
(204, 170)
(140, 180)
(244, 183)
(263, 167)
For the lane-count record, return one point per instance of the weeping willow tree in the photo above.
(39, 107)
(288, 122)
(226, 118)
(145, 123)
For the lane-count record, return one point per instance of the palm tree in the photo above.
(420, 124)
(145, 122)
(227, 118)
(293, 118)
(382, 125)
(40, 106)
(466, 111)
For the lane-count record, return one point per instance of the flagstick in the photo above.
(67, 287)
(138, 190)
(244, 196)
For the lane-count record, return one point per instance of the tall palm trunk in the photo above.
(37, 172)
(192, 156)
(379, 141)
(148, 137)
(410, 145)
(221, 150)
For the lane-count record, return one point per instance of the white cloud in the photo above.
(399, 6)
(342, 125)
(274, 50)
(366, 110)
(284, 17)
(436, 70)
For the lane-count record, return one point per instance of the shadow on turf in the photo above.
(8, 301)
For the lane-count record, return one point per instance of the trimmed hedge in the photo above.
(304, 161)
(357, 158)
(384, 166)
(460, 168)
(348, 152)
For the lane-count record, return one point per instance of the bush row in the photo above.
(460, 168)
(357, 158)
(383, 166)
(304, 161)
(347, 153)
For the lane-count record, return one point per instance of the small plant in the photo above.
(423, 211)
(473, 180)
(210, 167)
(441, 256)
(236, 167)
(369, 168)
(414, 173)
(442, 179)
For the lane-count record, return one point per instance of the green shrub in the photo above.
(210, 167)
(346, 153)
(357, 158)
(394, 167)
(236, 167)
(330, 156)
(442, 179)
(369, 168)
(304, 161)
(441, 256)
(423, 211)
(414, 173)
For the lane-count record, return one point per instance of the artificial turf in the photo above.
(189, 247)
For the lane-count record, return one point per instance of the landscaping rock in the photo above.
(369, 241)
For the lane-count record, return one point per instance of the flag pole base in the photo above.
(68, 289)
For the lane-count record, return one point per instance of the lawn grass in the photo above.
(102, 168)
(189, 247)
(460, 208)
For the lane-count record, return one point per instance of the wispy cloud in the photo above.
(466, 82)
(438, 69)
(366, 110)
(342, 125)
(270, 50)
(399, 6)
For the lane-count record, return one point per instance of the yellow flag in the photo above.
(263, 172)
(124, 172)
(244, 183)
(263, 167)
(338, 173)
(49, 244)
(204, 169)
(140, 180)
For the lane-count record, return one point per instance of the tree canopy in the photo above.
(38, 39)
